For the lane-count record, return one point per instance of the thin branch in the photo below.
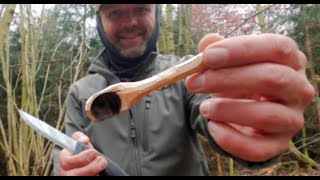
(3, 133)
(44, 88)
(1, 10)
(19, 77)
(5, 22)
(2, 87)
(48, 109)
(307, 144)
(60, 124)
(318, 134)
(41, 58)
(48, 62)
(47, 169)
(247, 19)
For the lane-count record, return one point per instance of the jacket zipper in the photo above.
(133, 136)
(145, 124)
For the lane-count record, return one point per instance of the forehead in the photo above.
(124, 6)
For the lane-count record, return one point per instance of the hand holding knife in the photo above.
(66, 142)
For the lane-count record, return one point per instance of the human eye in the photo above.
(114, 14)
(141, 10)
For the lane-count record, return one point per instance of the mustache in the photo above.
(128, 30)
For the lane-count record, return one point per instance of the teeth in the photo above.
(130, 37)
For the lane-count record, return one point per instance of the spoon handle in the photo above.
(173, 74)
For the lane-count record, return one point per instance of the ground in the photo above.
(285, 167)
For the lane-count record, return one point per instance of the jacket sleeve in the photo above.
(200, 125)
(74, 121)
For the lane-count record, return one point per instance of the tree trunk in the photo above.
(261, 19)
(25, 87)
(187, 28)
(162, 37)
(181, 43)
(2, 6)
(31, 144)
(169, 30)
(5, 22)
(185, 39)
(83, 49)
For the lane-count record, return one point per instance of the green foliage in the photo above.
(58, 54)
(60, 38)
(63, 26)
(305, 20)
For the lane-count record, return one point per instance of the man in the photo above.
(259, 92)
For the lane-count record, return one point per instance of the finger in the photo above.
(208, 40)
(266, 79)
(243, 50)
(266, 116)
(92, 169)
(79, 136)
(69, 161)
(303, 58)
(250, 148)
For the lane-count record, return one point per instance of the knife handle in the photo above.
(112, 169)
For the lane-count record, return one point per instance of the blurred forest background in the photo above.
(45, 48)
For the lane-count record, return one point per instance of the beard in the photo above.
(133, 52)
(127, 49)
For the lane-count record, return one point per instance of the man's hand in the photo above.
(86, 163)
(260, 91)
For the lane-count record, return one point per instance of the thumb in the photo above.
(81, 137)
(208, 40)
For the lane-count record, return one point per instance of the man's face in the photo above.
(128, 26)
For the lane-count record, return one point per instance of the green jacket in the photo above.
(158, 136)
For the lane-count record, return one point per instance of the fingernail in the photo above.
(197, 82)
(204, 107)
(91, 156)
(215, 57)
(102, 163)
(212, 126)
(82, 139)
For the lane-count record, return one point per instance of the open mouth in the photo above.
(130, 36)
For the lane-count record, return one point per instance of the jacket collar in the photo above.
(145, 71)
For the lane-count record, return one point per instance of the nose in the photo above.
(129, 20)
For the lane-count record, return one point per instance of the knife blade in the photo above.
(66, 142)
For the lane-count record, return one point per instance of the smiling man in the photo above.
(258, 92)
(128, 28)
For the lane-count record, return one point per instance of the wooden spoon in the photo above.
(121, 96)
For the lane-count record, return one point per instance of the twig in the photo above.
(298, 148)
(41, 58)
(1, 10)
(2, 87)
(307, 138)
(46, 171)
(247, 19)
(3, 145)
(48, 62)
(44, 88)
(48, 110)
(311, 142)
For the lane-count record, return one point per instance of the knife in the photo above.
(68, 143)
